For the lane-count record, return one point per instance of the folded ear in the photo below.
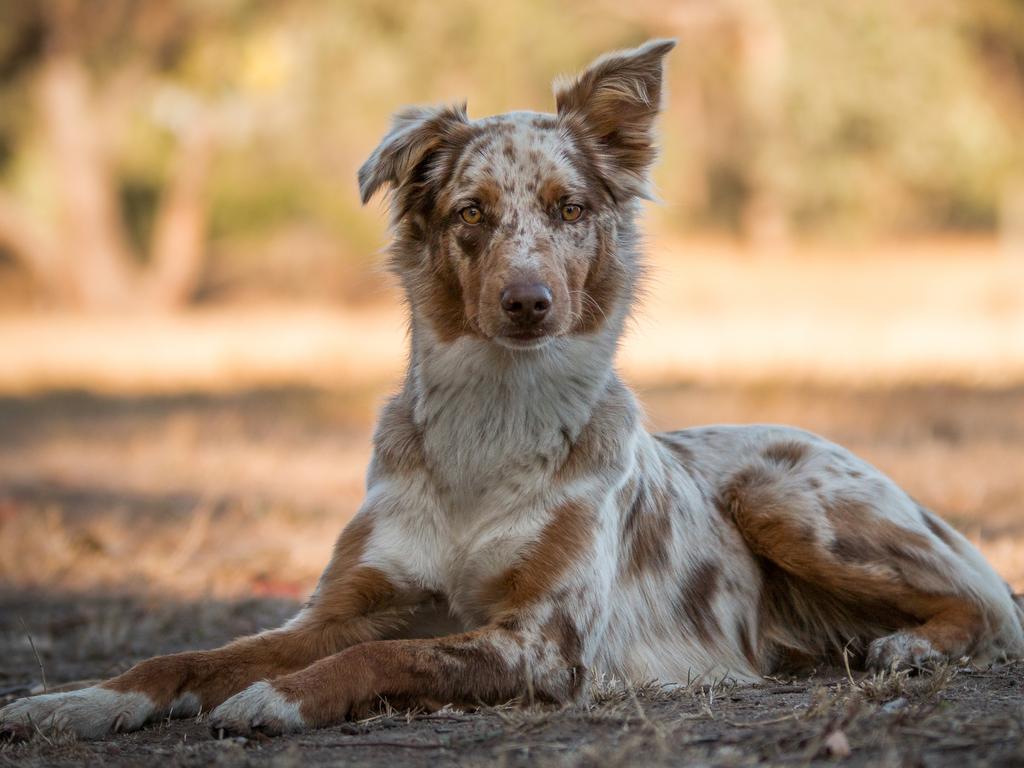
(614, 104)
(415, 133)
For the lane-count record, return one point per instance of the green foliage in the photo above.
(890, 121)
(888, 116)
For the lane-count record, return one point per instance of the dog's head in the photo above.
(512, 227)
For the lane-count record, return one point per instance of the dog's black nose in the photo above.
(526, 303)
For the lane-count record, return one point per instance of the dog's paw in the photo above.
(258, 708)
(87, 714)
(902, 650)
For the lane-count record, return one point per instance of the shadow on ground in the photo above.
(132, 526)
(935, 720)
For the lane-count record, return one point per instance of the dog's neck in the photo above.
(487, 411)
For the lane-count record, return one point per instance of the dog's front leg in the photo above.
(545, 617)
(535, 660)
(352, 604)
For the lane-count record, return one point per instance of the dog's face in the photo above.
(508, 228)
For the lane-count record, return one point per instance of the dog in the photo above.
(521, 531)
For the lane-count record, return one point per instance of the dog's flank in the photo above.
(521, 530)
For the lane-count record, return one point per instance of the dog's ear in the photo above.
(614, 103)
(415, 133)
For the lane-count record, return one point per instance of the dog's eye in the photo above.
(471, 215)
(571, 212)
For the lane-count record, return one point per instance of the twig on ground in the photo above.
(770, 721)
(35, 653)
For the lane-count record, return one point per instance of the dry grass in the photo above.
(958, 713)
(138, 525)
(194, 491)
(227, 495)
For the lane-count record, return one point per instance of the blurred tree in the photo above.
(77, 61)
(157, 150)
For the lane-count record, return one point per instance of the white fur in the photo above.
(901, 650)
(258, 708)
(480, 506)
(88, 713)
(186, 705)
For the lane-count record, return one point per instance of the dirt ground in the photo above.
(136, 525)
(945, 719)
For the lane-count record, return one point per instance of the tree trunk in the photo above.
(22, 237)
(85, 260)
(176, 258)
(763, 61)
(90, 233)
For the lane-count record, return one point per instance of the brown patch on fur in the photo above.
(647, 531)
(683, 453)
(550, 192)
(938, 529)
(954, 624)
(473, 242)
(694, 605)
(868, 537)
(444, 307)
(466, 670)
(562, 631)
(598, 445)
(409, 673)
(871, 578)
(747, 643)
(543, 562)
(606, 282)
(352, 604)
(787, 454)
(746, 480)
(397, 441)
(613, 104)
(488, 193)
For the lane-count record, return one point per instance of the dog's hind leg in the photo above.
(353, 603)
(858, 560)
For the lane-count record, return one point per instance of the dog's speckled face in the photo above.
(520, 225)
(510, 228)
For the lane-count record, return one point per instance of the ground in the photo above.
(132, 525)
(174, 481)
(936, 720)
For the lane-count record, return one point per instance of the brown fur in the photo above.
(559, 544)
(938, 528)
(872, 574)
(647, 531)
(787, 454)
(351, 605)
(696, 597)
(598, 443)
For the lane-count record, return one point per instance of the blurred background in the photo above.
(195, 332)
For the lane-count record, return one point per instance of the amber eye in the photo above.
(571, 212)
(471, 215)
